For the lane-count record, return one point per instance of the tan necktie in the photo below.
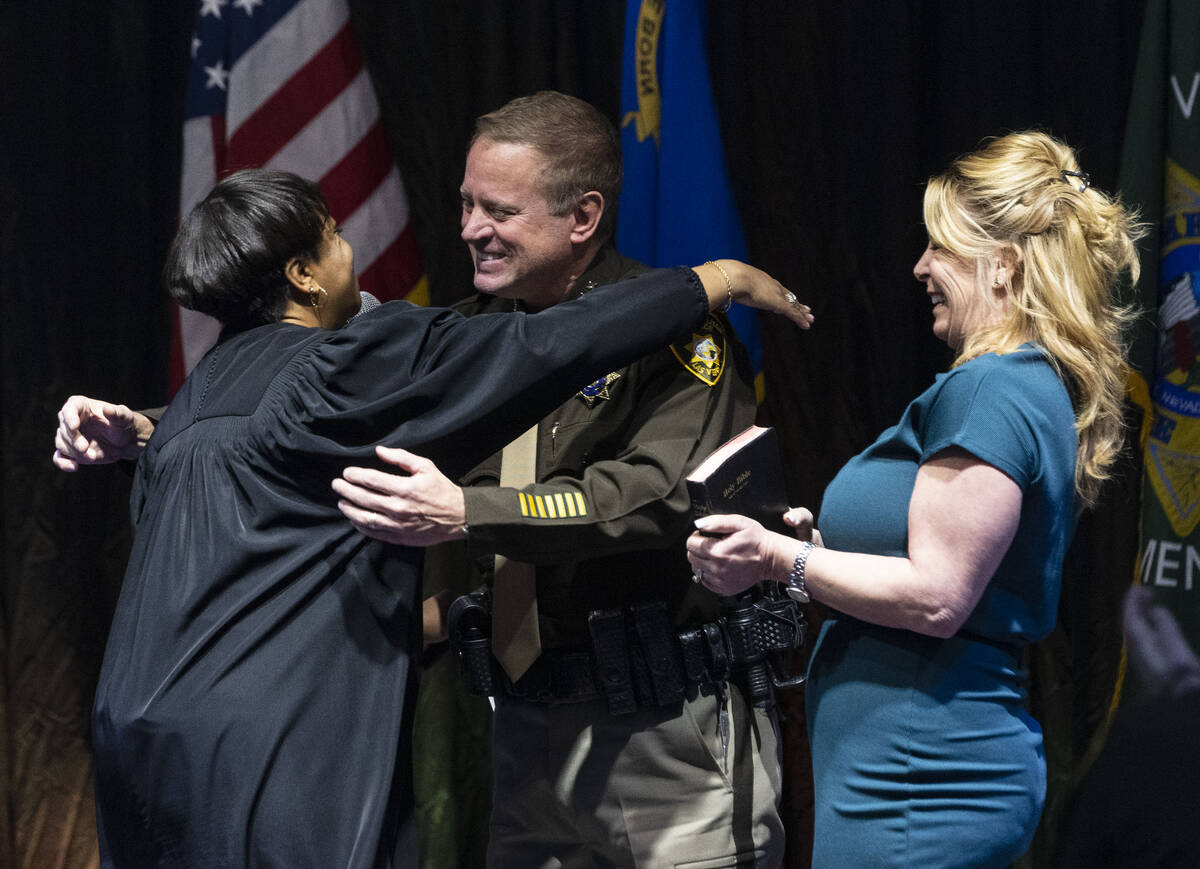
(516, 640)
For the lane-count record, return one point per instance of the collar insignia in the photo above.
(598, 391)
(704, 353)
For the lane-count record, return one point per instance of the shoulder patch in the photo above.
(703, 354)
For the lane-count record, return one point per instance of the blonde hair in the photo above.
(1064, 246)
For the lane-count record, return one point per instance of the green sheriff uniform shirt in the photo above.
(607, 519)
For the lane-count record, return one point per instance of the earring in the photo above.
(317, 296)
(998, 282)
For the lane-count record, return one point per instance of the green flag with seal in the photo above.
(1160, 172)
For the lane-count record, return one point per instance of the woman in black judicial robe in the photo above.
(254, 706)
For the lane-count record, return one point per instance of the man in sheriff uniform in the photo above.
(601, 755)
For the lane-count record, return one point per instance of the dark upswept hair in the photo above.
(580, 146)
(228, 258)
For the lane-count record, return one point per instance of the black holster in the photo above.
(469, 624)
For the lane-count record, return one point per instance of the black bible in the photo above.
(744, 475)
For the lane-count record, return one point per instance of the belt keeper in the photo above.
(692, 644)
(718, 653)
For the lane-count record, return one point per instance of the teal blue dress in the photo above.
(923, 753)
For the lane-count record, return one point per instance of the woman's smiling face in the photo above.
(961, 304)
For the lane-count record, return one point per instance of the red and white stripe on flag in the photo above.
(281, 84)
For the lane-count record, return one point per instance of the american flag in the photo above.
(281, 83)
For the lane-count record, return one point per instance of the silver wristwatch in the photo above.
(796, 589)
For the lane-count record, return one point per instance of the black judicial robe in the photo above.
(255, 701)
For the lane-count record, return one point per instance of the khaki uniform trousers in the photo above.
(576, 787)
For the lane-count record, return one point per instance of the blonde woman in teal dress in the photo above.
(940, 547)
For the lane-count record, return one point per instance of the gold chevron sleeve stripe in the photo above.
(559, 505)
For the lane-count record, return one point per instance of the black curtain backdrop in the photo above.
(833, 115)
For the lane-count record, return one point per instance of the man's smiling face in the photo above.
(519, 249)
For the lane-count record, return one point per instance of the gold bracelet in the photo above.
(728, 285)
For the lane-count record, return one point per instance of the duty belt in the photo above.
(638, 659)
